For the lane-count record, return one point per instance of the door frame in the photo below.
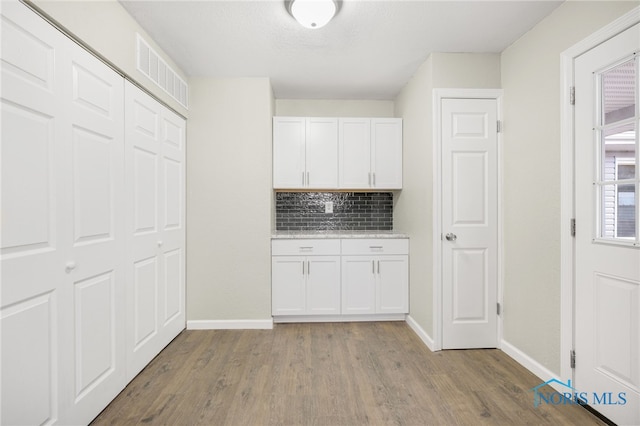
(438, 96)
(567, 173)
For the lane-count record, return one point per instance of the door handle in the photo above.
(451, 237)
(69, 266)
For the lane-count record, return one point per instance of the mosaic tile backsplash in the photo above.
(352, 211)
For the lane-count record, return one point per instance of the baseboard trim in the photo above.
(543, 373)
(230, 324)
(420, 332)
(338, 318)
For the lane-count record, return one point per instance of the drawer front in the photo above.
(373, 246)
(298, 247)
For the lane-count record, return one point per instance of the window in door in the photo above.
(616, 182)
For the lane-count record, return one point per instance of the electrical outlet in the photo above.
(328, 207)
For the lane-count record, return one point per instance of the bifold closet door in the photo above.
(62, 300)
(154, 171)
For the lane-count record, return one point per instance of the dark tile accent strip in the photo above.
(352, 211)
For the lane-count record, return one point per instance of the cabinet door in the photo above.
(393, 285)
(321, 157)
(354, 140)
(386, 153)
(358, 285)
(288, 285)
(288, 152)
(323, 285)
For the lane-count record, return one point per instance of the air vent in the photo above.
(151, 64)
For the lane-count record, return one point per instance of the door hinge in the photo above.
(572, 95)
(499, 126)
(572, 359)
(573, 227)
(499, 309)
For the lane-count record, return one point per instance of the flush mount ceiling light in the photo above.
(312, 14)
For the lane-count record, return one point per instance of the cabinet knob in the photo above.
(160, 243)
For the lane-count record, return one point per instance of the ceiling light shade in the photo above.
(313, 13)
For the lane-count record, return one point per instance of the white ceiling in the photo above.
(368, 51)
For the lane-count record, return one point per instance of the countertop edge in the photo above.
(284, 235)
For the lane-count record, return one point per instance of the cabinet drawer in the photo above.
(298, 247)
(375, 246)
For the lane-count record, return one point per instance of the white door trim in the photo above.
(567, 195)
(438, 95)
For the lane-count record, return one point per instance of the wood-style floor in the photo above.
(330, 374)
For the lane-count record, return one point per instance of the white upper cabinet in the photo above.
(305, 153)
(355, 152)
(332, 153)
(386, 153)
(370, 153)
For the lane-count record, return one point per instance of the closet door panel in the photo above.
(172, 239)
(32, 249)
(155, 140)
(94, 264)
(143, 170)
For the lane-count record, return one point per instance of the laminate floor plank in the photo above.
(362, 373)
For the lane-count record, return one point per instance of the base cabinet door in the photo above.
(305, 285)
(288, 285)
(393, 285)
(358, 285)
(323, 285)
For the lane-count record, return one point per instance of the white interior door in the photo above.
(607, 246)
(469, 223)
(155, 146)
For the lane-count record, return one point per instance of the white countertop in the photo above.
(337, 234)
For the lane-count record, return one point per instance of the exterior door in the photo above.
(469, 223)
(607, 244)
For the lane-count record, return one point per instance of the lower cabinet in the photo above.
(340, 278)
(375, 276)
(375, 284)
(305, 277)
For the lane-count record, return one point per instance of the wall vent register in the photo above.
(153, 66)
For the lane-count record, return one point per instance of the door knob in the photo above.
(451, 237)
(69, 266)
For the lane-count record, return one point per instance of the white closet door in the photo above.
(94, 167)
(33, 216)
(62, 226)
(155, 199)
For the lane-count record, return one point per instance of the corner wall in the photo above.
(229, 198)
(531, 82)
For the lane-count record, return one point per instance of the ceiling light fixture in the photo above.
(312, 14)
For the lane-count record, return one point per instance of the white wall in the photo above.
(531, 82)
(108, 28)
(229, 199)
(414, 204)
(333, 108)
